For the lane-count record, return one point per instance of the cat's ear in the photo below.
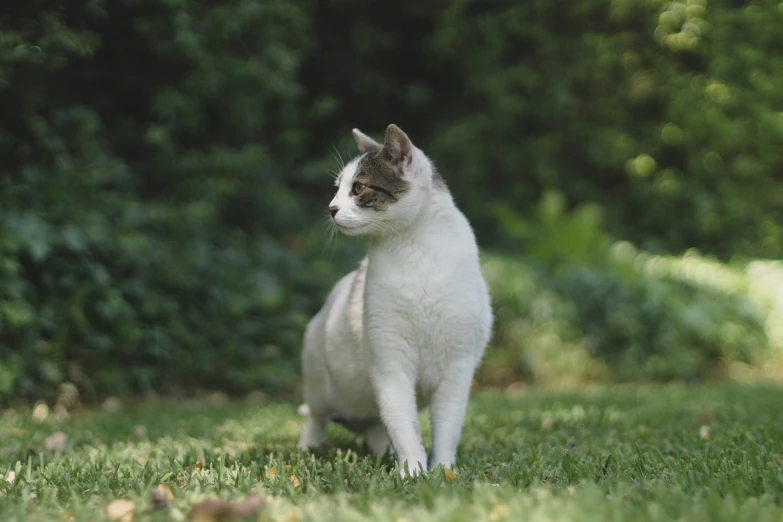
(398, 145)
(365, 143)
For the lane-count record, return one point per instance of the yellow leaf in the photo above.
(161, 495)
(450, 475)
(121, 510)
(499, 512)
(270, 473)
(294, 481)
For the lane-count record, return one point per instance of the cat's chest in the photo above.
(415, 279)
(420, 295)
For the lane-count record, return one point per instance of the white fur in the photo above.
(411, 334)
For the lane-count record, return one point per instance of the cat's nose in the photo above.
(333, 210)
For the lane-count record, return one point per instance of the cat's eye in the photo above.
(358, 188)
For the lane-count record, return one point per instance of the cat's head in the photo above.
(383, 189)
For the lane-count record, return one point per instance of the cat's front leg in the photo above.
(396, 394)
(447, 413)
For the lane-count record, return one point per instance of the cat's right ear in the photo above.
(365, 143)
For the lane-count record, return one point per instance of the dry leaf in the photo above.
(294, 480)
(40, 412)
(11, 477)
(293, 516)
(216, 510)
(499, 512)
(212, 510)
(161, 495)
(121, 510)
(56, 441)
(248, 506)
(704, 432)
(68, 517)
(270, 473)
(450, 475)
(199, 464)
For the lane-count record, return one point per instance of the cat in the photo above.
(409, 327)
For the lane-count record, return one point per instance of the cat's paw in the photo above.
(442, 463)
(412, 470)
(314, 434)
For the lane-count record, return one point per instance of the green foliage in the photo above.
(147, 241)
(632, 316)
(640, 453)
(651, 109)
(163, 165)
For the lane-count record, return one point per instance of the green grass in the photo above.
(608, 454)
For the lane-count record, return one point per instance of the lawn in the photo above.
(608, 454)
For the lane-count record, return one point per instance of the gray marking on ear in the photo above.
(365, 143)
(398, 145)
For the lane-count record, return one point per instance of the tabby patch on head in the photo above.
(378, 181)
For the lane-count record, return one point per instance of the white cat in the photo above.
(408, 328)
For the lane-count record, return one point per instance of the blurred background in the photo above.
(165, 171)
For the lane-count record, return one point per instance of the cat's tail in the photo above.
(304, 410)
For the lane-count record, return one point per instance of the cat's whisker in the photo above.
(330, 240)
(339, 157)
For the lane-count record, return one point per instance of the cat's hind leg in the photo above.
(315, 386)
(314, 433)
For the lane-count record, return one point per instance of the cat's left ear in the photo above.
(398, 145)
(365, 143)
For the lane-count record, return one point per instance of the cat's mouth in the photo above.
(352, 229)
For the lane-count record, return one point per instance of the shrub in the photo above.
(633, 317)
(147, 240)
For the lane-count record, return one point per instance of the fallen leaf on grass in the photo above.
(704, 432)
(161, 495)
(499, 512)
(294, 480)
(216, 510)
(448, 474)
(199, 464)
(121, 510)
(56, 441)
(270, 473)
(11, 477)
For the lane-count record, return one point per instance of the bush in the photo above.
(651, 109)
(147, 240)
(632, 317)
(163, 165)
